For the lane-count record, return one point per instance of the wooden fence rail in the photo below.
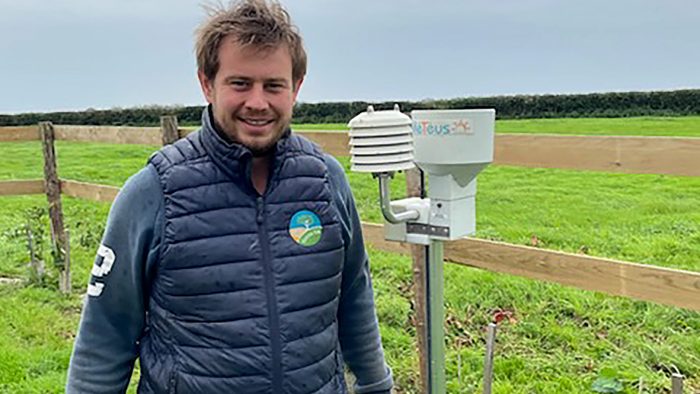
(89, 191)
(20, 188)
(640, 155)
(110, 134)
(632, 155)
(638, 281)
(19, 133)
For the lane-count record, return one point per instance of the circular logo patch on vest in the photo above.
(305, 228)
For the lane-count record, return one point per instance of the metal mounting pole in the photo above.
(436, 318)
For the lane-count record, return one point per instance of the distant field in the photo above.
(560, 340)
(320, 126)
(686, 126)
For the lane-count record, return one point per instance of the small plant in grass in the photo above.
(89, 232)
(608, 382)
(33, 232)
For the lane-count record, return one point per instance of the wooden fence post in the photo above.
(414, 188)
(53, 195)
(168, 126)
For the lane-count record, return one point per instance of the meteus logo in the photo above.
(425, 127)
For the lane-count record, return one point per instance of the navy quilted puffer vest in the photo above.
(237, 305)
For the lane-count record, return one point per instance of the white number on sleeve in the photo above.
(102, 267)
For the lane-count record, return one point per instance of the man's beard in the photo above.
(262, 151)
(233, 133)
(265, 150)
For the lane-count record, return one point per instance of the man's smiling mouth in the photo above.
(256, 122)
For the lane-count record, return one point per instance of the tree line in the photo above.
(624, 104)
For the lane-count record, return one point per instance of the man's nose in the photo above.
(257, 99)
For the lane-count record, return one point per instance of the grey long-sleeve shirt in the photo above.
(114, 316)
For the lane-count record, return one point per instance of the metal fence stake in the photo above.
(488, 359)
(459, 364)
(676, 383)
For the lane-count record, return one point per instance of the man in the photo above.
(234, 262)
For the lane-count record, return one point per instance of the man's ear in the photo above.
(206, 85)
(297, 86)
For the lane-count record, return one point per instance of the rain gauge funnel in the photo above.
(451, 147)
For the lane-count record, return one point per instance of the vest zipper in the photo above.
(275, 337)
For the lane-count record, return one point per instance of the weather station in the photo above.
(452, 147)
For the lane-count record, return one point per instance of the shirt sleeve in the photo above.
(113, 316)
(358, 327)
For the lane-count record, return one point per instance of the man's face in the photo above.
(252, 94)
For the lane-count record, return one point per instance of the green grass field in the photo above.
(560, 339)
(687, 126)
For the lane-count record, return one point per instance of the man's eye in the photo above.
(238, 83)
(275, 87)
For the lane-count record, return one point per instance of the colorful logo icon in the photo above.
(305, 228)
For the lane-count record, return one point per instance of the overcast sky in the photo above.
(76, 54)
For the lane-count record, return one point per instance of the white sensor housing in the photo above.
(381, 141)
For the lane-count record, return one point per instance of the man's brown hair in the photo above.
(260, 24)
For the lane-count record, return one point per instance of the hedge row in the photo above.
(667, 103)
(606, 105)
